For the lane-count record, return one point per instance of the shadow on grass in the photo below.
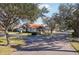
(74, 41)
(3, 44)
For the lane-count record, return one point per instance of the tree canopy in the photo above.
(10, 13)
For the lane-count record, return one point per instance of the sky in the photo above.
(52, 7)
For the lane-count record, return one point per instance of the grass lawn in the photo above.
(75, 45)
(12, 32)
(5, 50)
(19, 33)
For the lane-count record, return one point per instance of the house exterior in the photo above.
(31, 27)
(34, 27)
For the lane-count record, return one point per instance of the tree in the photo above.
(75, 22)
(42, 13)
(56, 17)
(7, 17)
(50, 23)
(10, 13)
(13, 26)
(70, 15)
(66, 15)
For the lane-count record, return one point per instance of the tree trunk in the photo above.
(12, 30)
(7, 37)
(51, 30)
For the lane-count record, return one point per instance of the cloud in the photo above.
(45, 5)
(49, 7)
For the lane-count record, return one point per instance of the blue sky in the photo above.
(52, 7)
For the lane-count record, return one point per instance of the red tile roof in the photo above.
(35, 25)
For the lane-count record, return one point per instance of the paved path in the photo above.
(59, 48)
(58, 45)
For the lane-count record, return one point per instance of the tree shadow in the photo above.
(37, 48)
(42, 43)
(3, 45)
(40, 38)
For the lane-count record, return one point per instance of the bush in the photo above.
(16, 30)
(74, 34)
(34, 33)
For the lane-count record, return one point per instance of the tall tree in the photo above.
(50, 23)
(75, 22)
(42, 13)
(10, 13)
(66, 15)
(70, 15)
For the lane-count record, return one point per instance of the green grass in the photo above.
(25, 33)
(13, 40)
(75, 45)
(5, 50)
(19, 33)
(12, 32)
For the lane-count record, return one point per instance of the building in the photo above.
(31, 27)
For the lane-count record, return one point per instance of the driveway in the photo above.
(46, 45)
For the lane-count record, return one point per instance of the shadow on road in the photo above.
(37, 48)
(43, 43)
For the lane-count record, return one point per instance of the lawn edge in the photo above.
(74, 47)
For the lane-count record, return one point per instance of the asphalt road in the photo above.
(56, 44)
